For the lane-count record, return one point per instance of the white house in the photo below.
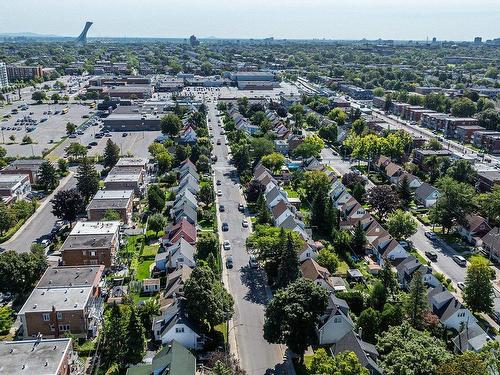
(180, 253)
(426, 195)
(336, 322)
(150, 285)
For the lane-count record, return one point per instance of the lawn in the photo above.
(342, 268)
(150, 251)
(142, 271)
(303, 369)
(419, 257)
(222, 328)
(292, 193)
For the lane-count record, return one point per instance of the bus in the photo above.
(64, 111)
(92, 105)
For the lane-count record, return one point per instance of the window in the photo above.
(180, 260)
(461, 314)
(337, 319)
(52, 328)
(92, 253)
(63, 327)
(179, 330)
(93, 262)
(59, 315)
(46, 317)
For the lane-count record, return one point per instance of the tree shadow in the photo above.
(255, 281)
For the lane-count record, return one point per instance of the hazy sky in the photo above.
(335, 19)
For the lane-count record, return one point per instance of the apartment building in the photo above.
(120, 201)
(91, 243)
(23, 73)
(4, 79)
(14, 187)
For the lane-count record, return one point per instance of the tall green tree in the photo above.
(358, 239)
(383, 200)
(207, 302)
(47, 176)
(20, 271)
(368, 324)
(288, 269)
(7, 218)
(111, 154)
(114, 349)
(468, 363)
(263, 214)
(478, 291)
(345, 363)
(416, 301)
(171, 124)
(404, 192)
(293, 314)
(87, 179)
(401, 225)
(135, 339)
(156, 198)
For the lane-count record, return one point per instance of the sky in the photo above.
(291, 19)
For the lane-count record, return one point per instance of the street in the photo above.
(247, 286)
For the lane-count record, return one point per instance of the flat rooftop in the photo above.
(41, 357)
(127, 169)
(113, 194)
(130, 177)
(131, 162)
(70, 276)
(108, 203)
(95, 228)
(63, 299)
(87, 242)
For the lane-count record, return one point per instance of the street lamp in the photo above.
(228, 331)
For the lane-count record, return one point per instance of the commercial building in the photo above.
(129, 92)
(252, 76)
(356, 92)
(120, 201)
(91, 243)
(44, 357)
(24, 73)
(4, 80)
(24, 166)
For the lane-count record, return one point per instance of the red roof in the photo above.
(183, 229)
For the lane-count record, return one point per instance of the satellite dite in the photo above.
(82, 38)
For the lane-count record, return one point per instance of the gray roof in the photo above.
(63, 299)
(41, 357)
(70, 276)
(186, 211)
(472, 337)
(367, 353)
(181, 246)
(424, 190)
(88, 241)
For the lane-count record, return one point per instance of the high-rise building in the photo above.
(478, 40)
(4, 80)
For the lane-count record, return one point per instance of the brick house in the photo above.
(120, 201)
(91, 243)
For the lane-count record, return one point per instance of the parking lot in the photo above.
(49, 128)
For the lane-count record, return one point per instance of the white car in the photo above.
(244, 223)
(219, 193)
(226, 245)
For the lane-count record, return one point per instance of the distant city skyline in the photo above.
(283, 19)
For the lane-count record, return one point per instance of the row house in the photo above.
(451, 124)
(465, 133)
(120, 201)
(434, 121)
(420, 156)
(487, 180)
(479, 137)
(491, 143)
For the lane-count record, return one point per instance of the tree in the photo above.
(378, 295)
(368, 324)
(293, 314)
(206, 194)
(147, 311)
(478, 291)
(359, 192)
(156, 222)
(55, 97)
(350, 180)
(12, 137)
(312, 120)
(337, 115)
(359, 126)
(111, 154)
(165, 161)
(392, 315)
(170, 124)
(27, 140)
(463, 107)
(404, 350)
(328, 259)
(416, 301)
(111, 215)
(76, 150)
(323, 214)
(263, 214)
(358, 239)
(6, 319)
(47, 176)
(207, 302)
(344, 363)
(489, 205)
(455, 202)
(62, 166)
(87, 179)
(39, 96)
(388, 279)
(468, 363)
(114, 346)
(462, 171)
(156, 198)
(401, 224)
(288, 269)
(20, 271)
(135, 339)
(67, 204)
(7, 218)
(311, 146)
(206, 245)
(329, 133)
(298, 111)
(262, 147)
(273, 161)
(404, 192)
(383, 200)
(314, 181)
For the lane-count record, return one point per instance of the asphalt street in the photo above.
(248, 286)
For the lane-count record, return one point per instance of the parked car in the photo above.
(432, 255)
(461, 285)
(218, 142)
(244, 223)
(252, 262)
(218, 183)
(431, 235)
(219, 193)
(241, 207)
(460, 260)
(226, 245)
(222, 208)
(229, 262)
(225, 227)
